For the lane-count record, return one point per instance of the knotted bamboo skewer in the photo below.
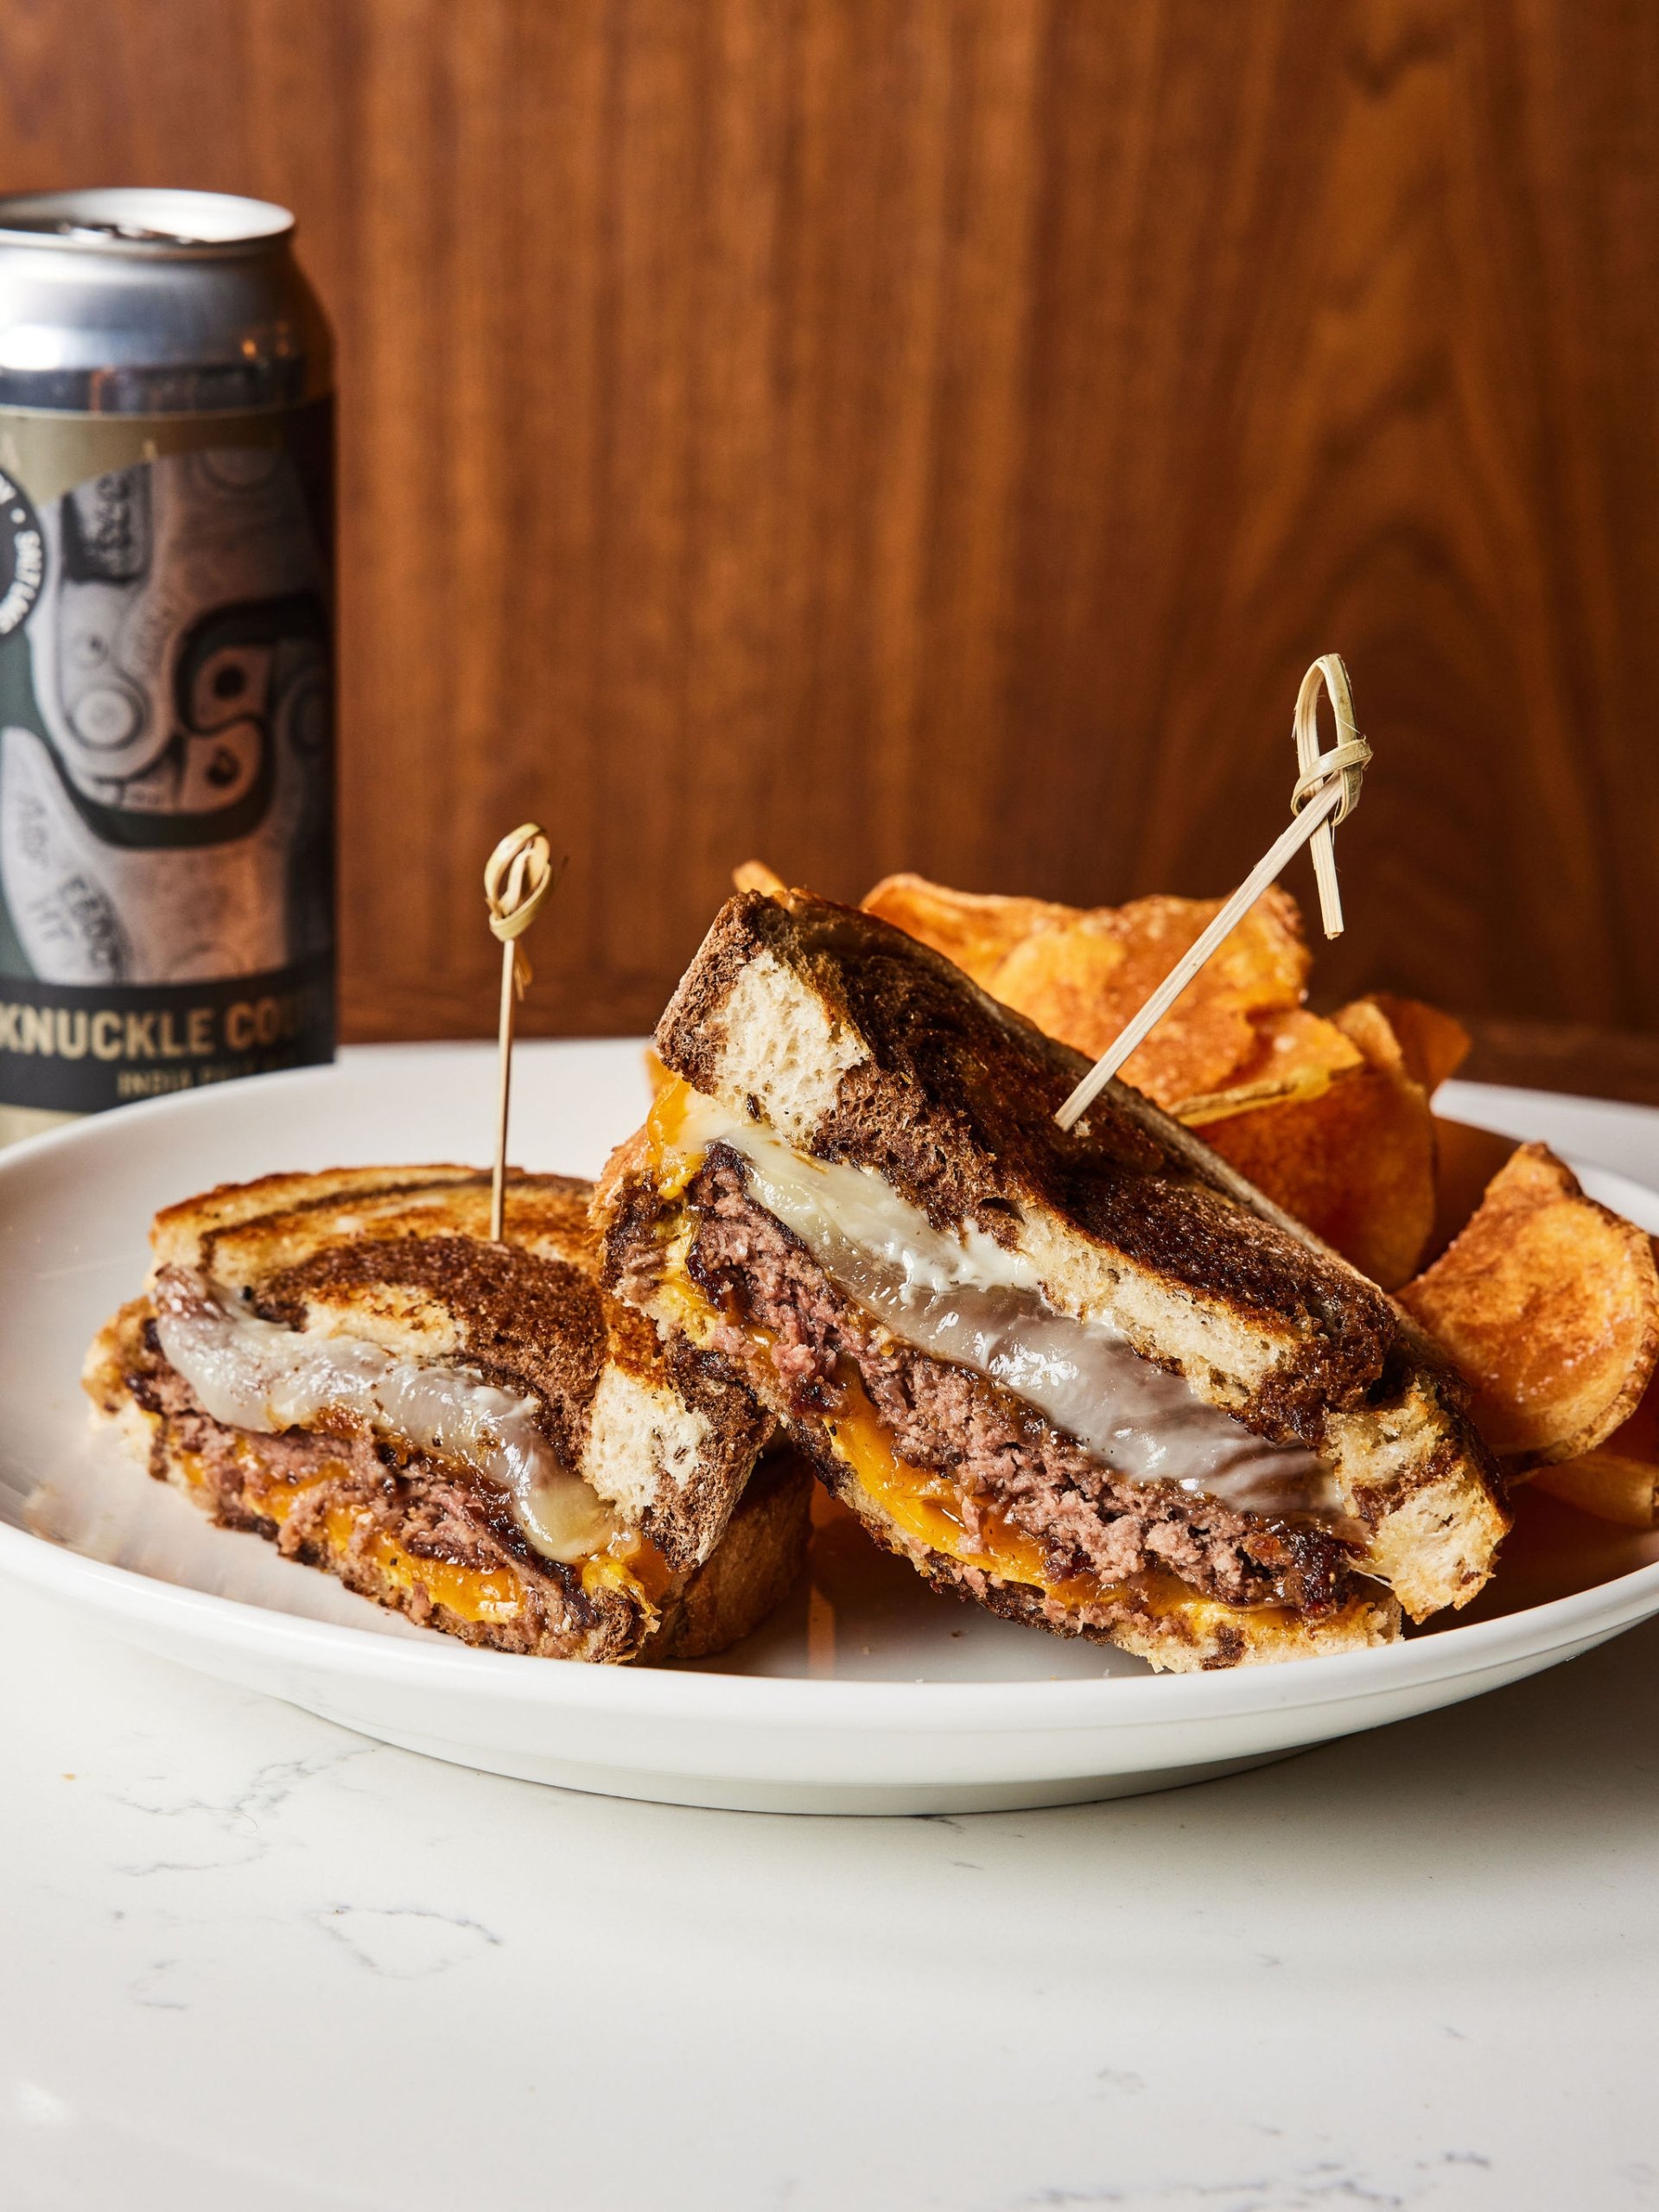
(1326, 794)
(517, 877)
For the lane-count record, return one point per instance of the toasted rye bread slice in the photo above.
(400, 1258)
(855, 1042)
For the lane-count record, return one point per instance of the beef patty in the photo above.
(999, 1453)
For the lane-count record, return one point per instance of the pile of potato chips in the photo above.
(1330, 1117)
(1546, 1302)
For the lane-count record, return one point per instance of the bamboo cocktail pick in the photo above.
(517, 878)
(1326, 792)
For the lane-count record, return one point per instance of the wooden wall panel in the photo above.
(938, 433)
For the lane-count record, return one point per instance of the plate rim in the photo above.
(1560, 1623)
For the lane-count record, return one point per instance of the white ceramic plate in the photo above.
(868, 1693)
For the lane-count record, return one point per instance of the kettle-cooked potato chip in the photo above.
(1083, 979)
(1465, 1160)
(1619, 1480)
(1354, 1158)
(1433, 1043)
(1549, 1305)
(755, 875)
(1608, 1484)
(1082, 973)
(1295, 1055)
(977, 930)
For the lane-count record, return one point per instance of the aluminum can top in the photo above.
(132, 301)
(139, 220)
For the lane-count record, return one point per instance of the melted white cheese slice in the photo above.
(968, 1300)
(254, 1374)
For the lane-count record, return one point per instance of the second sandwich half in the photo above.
(1092, 1379)
(468, 1431)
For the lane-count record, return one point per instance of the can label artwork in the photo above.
(166, 751)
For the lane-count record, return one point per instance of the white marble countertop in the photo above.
(253, 1961)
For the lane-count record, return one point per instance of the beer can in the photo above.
(167, 775)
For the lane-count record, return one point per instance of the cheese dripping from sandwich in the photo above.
(966, 1300)
(254, 1374)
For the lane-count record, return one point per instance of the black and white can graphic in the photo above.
(23, 556)
(166, 753)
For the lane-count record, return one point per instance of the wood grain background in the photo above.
(939, 435)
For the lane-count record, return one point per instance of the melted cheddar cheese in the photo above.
(923, 1503)
(488, 1594)
(641, 1574)
(927, 1505)
(920, 1503)
(672, 1162)
(471, 1593)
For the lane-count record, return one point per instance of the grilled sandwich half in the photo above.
(468, 1432)
(1093, 1380)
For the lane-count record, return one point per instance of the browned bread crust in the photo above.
(752, 1569)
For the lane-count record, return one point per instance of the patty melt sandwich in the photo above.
(468, 1432)
(1093, 1380)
